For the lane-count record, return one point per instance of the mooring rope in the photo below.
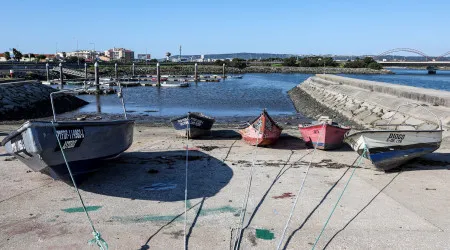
(186, 180)
(98, 240)
(340, 196)
(247, 194)
(301, 187)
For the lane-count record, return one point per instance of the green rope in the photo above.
(98, 240)
(340, 196)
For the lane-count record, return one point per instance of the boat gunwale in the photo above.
(390, 131)
(29, 124)
(193, 114)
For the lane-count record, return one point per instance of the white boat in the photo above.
(175, 84)
(388, 149)
(107, 81)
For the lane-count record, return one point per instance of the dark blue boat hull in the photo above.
(198, 125)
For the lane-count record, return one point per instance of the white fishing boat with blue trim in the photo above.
(389, 148)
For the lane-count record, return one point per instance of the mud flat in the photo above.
(137, 200)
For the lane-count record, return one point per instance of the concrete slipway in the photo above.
(138, 202)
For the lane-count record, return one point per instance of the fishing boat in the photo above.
(389, 148)
(323, 134)
(262, 131)
(235, 76)
(84, 143)
(193, 124)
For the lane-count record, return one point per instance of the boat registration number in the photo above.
(18, 147)
(69, 138)
(397, 138)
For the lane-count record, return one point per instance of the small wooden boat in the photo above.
(193, 124)
(388, 149)
(85, 144)
(262, 131)
(323, 134)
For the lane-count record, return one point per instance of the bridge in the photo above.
(432, 63)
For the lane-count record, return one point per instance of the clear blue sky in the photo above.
(210, 26)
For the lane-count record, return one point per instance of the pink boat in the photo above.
(324, 133)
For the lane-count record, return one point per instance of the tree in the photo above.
(41, 57)
(64, 54)
(17, 54)
(291, 62)
(7, 55)
(374, 65)
(168, 54)
(238, 63)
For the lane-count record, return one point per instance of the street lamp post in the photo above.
(93, 56)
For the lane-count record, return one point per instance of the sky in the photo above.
(340, 27)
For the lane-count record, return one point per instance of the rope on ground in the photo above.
(301, 187)
(247, 194)
(340, 196)
(98, 240)
(186, 180)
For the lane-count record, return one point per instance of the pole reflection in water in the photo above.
(99, 105)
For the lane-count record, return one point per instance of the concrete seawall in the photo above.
(370, 103)
(31, 99)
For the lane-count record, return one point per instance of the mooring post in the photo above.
(158, 75)
(223, 71)
(115, 72)
(85, 74)
(97, 81)
(61, 78)
(196, 72)
(132, 70)
(47, 72)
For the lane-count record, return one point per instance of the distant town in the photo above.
(128, 56)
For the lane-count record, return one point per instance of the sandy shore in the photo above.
(137, 201)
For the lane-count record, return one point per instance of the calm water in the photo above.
(233, 97)
(239, 97)
(412, 77)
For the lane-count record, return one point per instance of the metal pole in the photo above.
(132, 70)
(196, 72)
(115, 71)
(61, 78)
(47, 72)
(97, 82)
(85, 74)
(223, 71)
(158, 75)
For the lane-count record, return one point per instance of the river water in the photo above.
(238, 97)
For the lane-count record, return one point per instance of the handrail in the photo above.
(413, 104)
(68, 91)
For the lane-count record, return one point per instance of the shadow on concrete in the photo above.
(226, 134)
(433, 161)
(289, 142)
(160, 176)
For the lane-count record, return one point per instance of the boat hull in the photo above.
(198, 124)
(388, 149)
(263, 131)
(85, 144)
(322, 136)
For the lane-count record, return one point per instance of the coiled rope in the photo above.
(301, 187)
(98, 240)
(340, 196)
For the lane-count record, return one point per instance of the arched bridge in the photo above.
(414, 51)
(430, 62)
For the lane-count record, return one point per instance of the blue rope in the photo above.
(340, 196)
(98, 240)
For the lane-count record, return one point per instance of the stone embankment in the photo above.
(31, 99)
(213, 69)
(370, 103)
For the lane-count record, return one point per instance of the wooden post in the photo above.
(158, 75)
(196, 72)
(61, 77)
(47, 72)
(223, 71)
(97, 80)
(132, 70)
(85, 74)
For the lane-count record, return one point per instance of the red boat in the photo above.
(262, 131)
(324, 133)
